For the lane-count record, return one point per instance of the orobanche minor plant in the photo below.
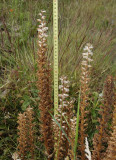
(100, 141)
(44, 87)
(85, 79)
(26, 134)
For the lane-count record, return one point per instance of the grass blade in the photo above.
(77, 128)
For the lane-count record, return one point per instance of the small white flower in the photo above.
(90, 60)
(90, 45)
(83, 77)
(43, 11)
(39, 30)
(40, 45)
(64, 113)
(86, 48)
(65, 105)
(43, 24)
(83, 68)
(45, 29)
(40, 26)
(60, 106)
(72, 120)
(91, 53)
(43, 17)
(60, 95)
(40, 42)
(84, 63)
(60, 86)
(66, 89)
(15, 156)
(63, 126)
(84, 73)
(86, 57)
(85, 54)
(101, 95)
(40, 14)
(44, 44)
(39, 20)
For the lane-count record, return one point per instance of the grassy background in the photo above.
(80, 22)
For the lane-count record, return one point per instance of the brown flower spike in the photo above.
(44, 86)
(111, 150)
(100, 141)
(63, 116)
(26, 134)
(22, 133)
(84, 98)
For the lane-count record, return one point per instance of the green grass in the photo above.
(80, 22)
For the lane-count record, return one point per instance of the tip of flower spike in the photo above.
(88, 48)
(90, 45)
(87, 151)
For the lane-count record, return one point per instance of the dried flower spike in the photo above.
(44, 86)
(101, 138)
(111, 150)
(61, 142)
(87, 59)
(22, 133)
(26, 134)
